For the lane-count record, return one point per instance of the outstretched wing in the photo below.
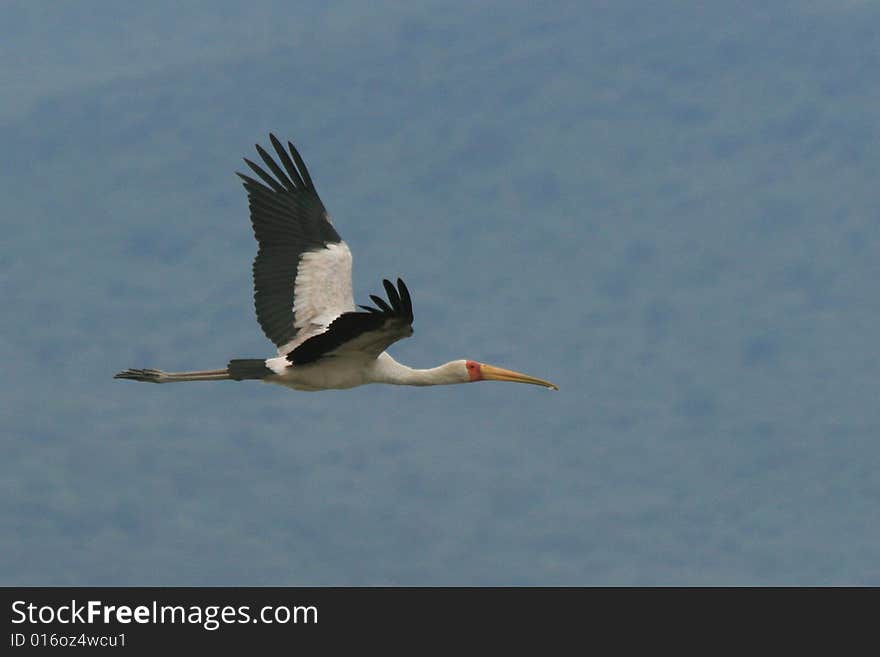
(302, 272)
(362, 333)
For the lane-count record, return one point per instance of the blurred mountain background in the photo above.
(669, 209)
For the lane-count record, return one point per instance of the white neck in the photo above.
(388, 370)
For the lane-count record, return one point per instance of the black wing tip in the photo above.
(399, 302)
(249, 182)
(297, 174)
(381, 304)
(272, 140)
(405, 298)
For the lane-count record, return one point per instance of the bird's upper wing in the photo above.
(362, 333)
(302, 272)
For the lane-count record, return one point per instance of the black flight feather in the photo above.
(302, 167)
(279, 174)
(380, 302)
(287, 162)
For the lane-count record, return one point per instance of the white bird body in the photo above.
(304, 302)
(349, 373)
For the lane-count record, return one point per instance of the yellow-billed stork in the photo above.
(304, 303)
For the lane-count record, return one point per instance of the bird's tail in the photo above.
(237, 370)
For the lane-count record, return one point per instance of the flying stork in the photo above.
(304, 303)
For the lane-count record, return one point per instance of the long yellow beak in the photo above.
(492, 373)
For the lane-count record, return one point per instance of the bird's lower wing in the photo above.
(352, 334)
(361, 333)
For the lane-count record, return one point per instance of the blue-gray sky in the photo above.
(669, 209)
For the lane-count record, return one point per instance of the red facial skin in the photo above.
(474, 371)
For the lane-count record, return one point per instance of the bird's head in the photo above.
(476, 371)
